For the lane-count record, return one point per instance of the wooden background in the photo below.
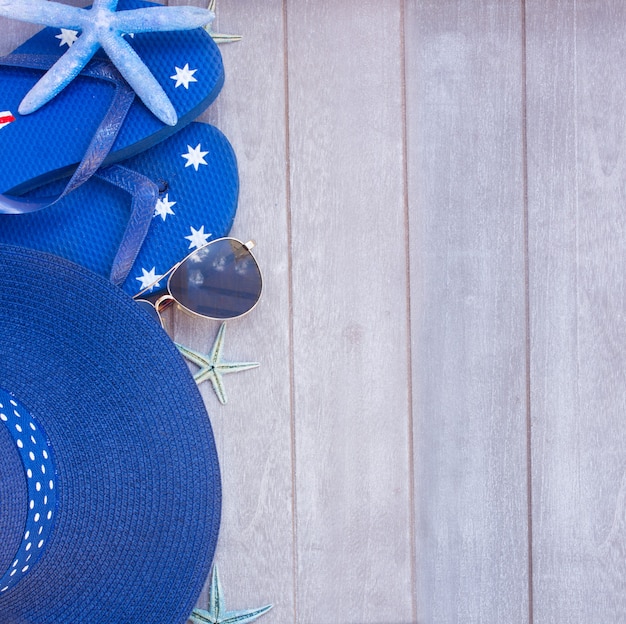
(437, 431)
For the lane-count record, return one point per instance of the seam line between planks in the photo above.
(292, 410)
(529, 467)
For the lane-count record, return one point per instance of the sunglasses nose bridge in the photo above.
(164, 302)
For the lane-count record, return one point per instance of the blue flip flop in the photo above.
(96, 120)
(184, 193)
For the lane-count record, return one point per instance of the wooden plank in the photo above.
(349, 312)
(576, 142)
(253, 431)
(466, 203)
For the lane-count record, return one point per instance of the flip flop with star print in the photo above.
(97, 118)
(188, 185)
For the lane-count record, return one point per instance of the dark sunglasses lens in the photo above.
(221, 280)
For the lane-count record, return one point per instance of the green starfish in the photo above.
(211, 365)
(217, 613)
(219, 37)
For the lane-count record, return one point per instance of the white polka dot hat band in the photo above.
(39, 472)
(110, 491)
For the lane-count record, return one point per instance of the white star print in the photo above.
(163, 207)
(67, 37)
(149, 279)
(198, 238)
(195, 157)
(184, 76)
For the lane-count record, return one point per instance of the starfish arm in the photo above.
(249, 615)
(200, 616)
(193, 356)
(161, 18)
(109, 5)
(223, 37)
(60, 74)
(218, 385)
(139, 78)
(218, 346)
(235, 367)
(206, 372)
(215, 594)
(44, 13)
(219, 37)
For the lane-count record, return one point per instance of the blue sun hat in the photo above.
(109, 480)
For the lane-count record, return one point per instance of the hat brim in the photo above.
(139, 491)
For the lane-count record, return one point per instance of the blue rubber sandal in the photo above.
(96, 120)
(184, 193)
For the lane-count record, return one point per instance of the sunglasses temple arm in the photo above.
(162, 277)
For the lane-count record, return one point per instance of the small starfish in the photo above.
(219, 37)
(217, 613)
(212, 367)
(101, 26)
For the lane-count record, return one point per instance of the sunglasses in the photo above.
(220, 280)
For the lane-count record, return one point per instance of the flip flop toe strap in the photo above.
(102, 140)
(144, 194)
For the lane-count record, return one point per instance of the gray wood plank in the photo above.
(576, 145)
(349, 312)
(466, 202)
(254, 430)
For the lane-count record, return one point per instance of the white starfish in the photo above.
(197, 238)
(195, 156)
(163, 207)
(184, 76)
(211, 365)
(101, 26)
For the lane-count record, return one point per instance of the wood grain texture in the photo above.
(375, 468)
(576, 147)
(349, 312)
(254, 430)
(466, 211)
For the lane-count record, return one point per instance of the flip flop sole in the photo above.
(48, 144)
(87, 225)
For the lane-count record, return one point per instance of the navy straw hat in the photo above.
(109, 480)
